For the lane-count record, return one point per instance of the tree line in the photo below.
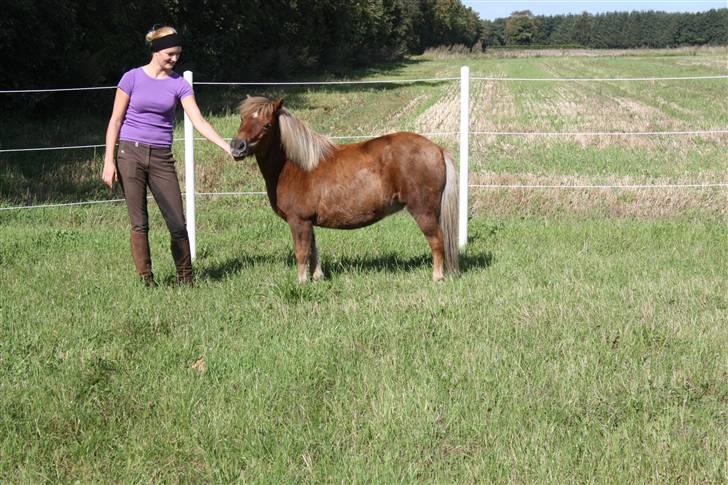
(621, 30)
(46, 43)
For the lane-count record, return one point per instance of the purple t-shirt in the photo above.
(150, 116)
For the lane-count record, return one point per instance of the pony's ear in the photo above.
(278, 105)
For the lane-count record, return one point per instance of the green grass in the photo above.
(584, 341)
(570, 349)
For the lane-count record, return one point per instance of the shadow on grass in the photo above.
(395, 263)
(232, 266)
(389, 263)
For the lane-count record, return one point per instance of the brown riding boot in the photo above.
(142, 259)
(182, 261)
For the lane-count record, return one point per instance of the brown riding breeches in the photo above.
(141, 165)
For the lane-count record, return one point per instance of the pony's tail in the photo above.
(449, 216)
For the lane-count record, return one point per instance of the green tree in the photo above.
(493, 33)
(521, 28)
(583, 29)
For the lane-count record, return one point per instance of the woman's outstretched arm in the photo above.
(200, 123)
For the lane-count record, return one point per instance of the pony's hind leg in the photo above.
(430, 227)
(315, 262)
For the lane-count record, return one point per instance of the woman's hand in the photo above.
(109, 175)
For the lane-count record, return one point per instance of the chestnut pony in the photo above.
(311, 181)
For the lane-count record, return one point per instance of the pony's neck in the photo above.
(270, 164)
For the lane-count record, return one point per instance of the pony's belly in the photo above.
(354, 218)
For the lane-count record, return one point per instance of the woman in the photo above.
(142, 122)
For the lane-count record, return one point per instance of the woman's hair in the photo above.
(158, 32)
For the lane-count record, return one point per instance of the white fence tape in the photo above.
(384, 81)
(55, 90)
(597, 79)
(474, 186)
(441, 133)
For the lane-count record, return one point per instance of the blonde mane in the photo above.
(302, 145)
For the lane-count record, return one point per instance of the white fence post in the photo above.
(190, 178)
(464, 153)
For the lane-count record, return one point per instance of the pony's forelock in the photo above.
(256, 104)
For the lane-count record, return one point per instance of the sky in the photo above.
(493, 9)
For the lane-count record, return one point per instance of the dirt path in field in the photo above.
(405, 112)
(490, 105)
(444, 115)
(595, 108)
(710, 62)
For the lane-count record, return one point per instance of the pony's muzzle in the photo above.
(239, 148)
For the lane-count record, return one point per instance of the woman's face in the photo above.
(167, 58)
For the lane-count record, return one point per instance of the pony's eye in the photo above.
(266, 126)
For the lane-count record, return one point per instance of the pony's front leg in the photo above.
(315, 264)
(302, 232)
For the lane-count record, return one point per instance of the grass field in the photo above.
(585, 340)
